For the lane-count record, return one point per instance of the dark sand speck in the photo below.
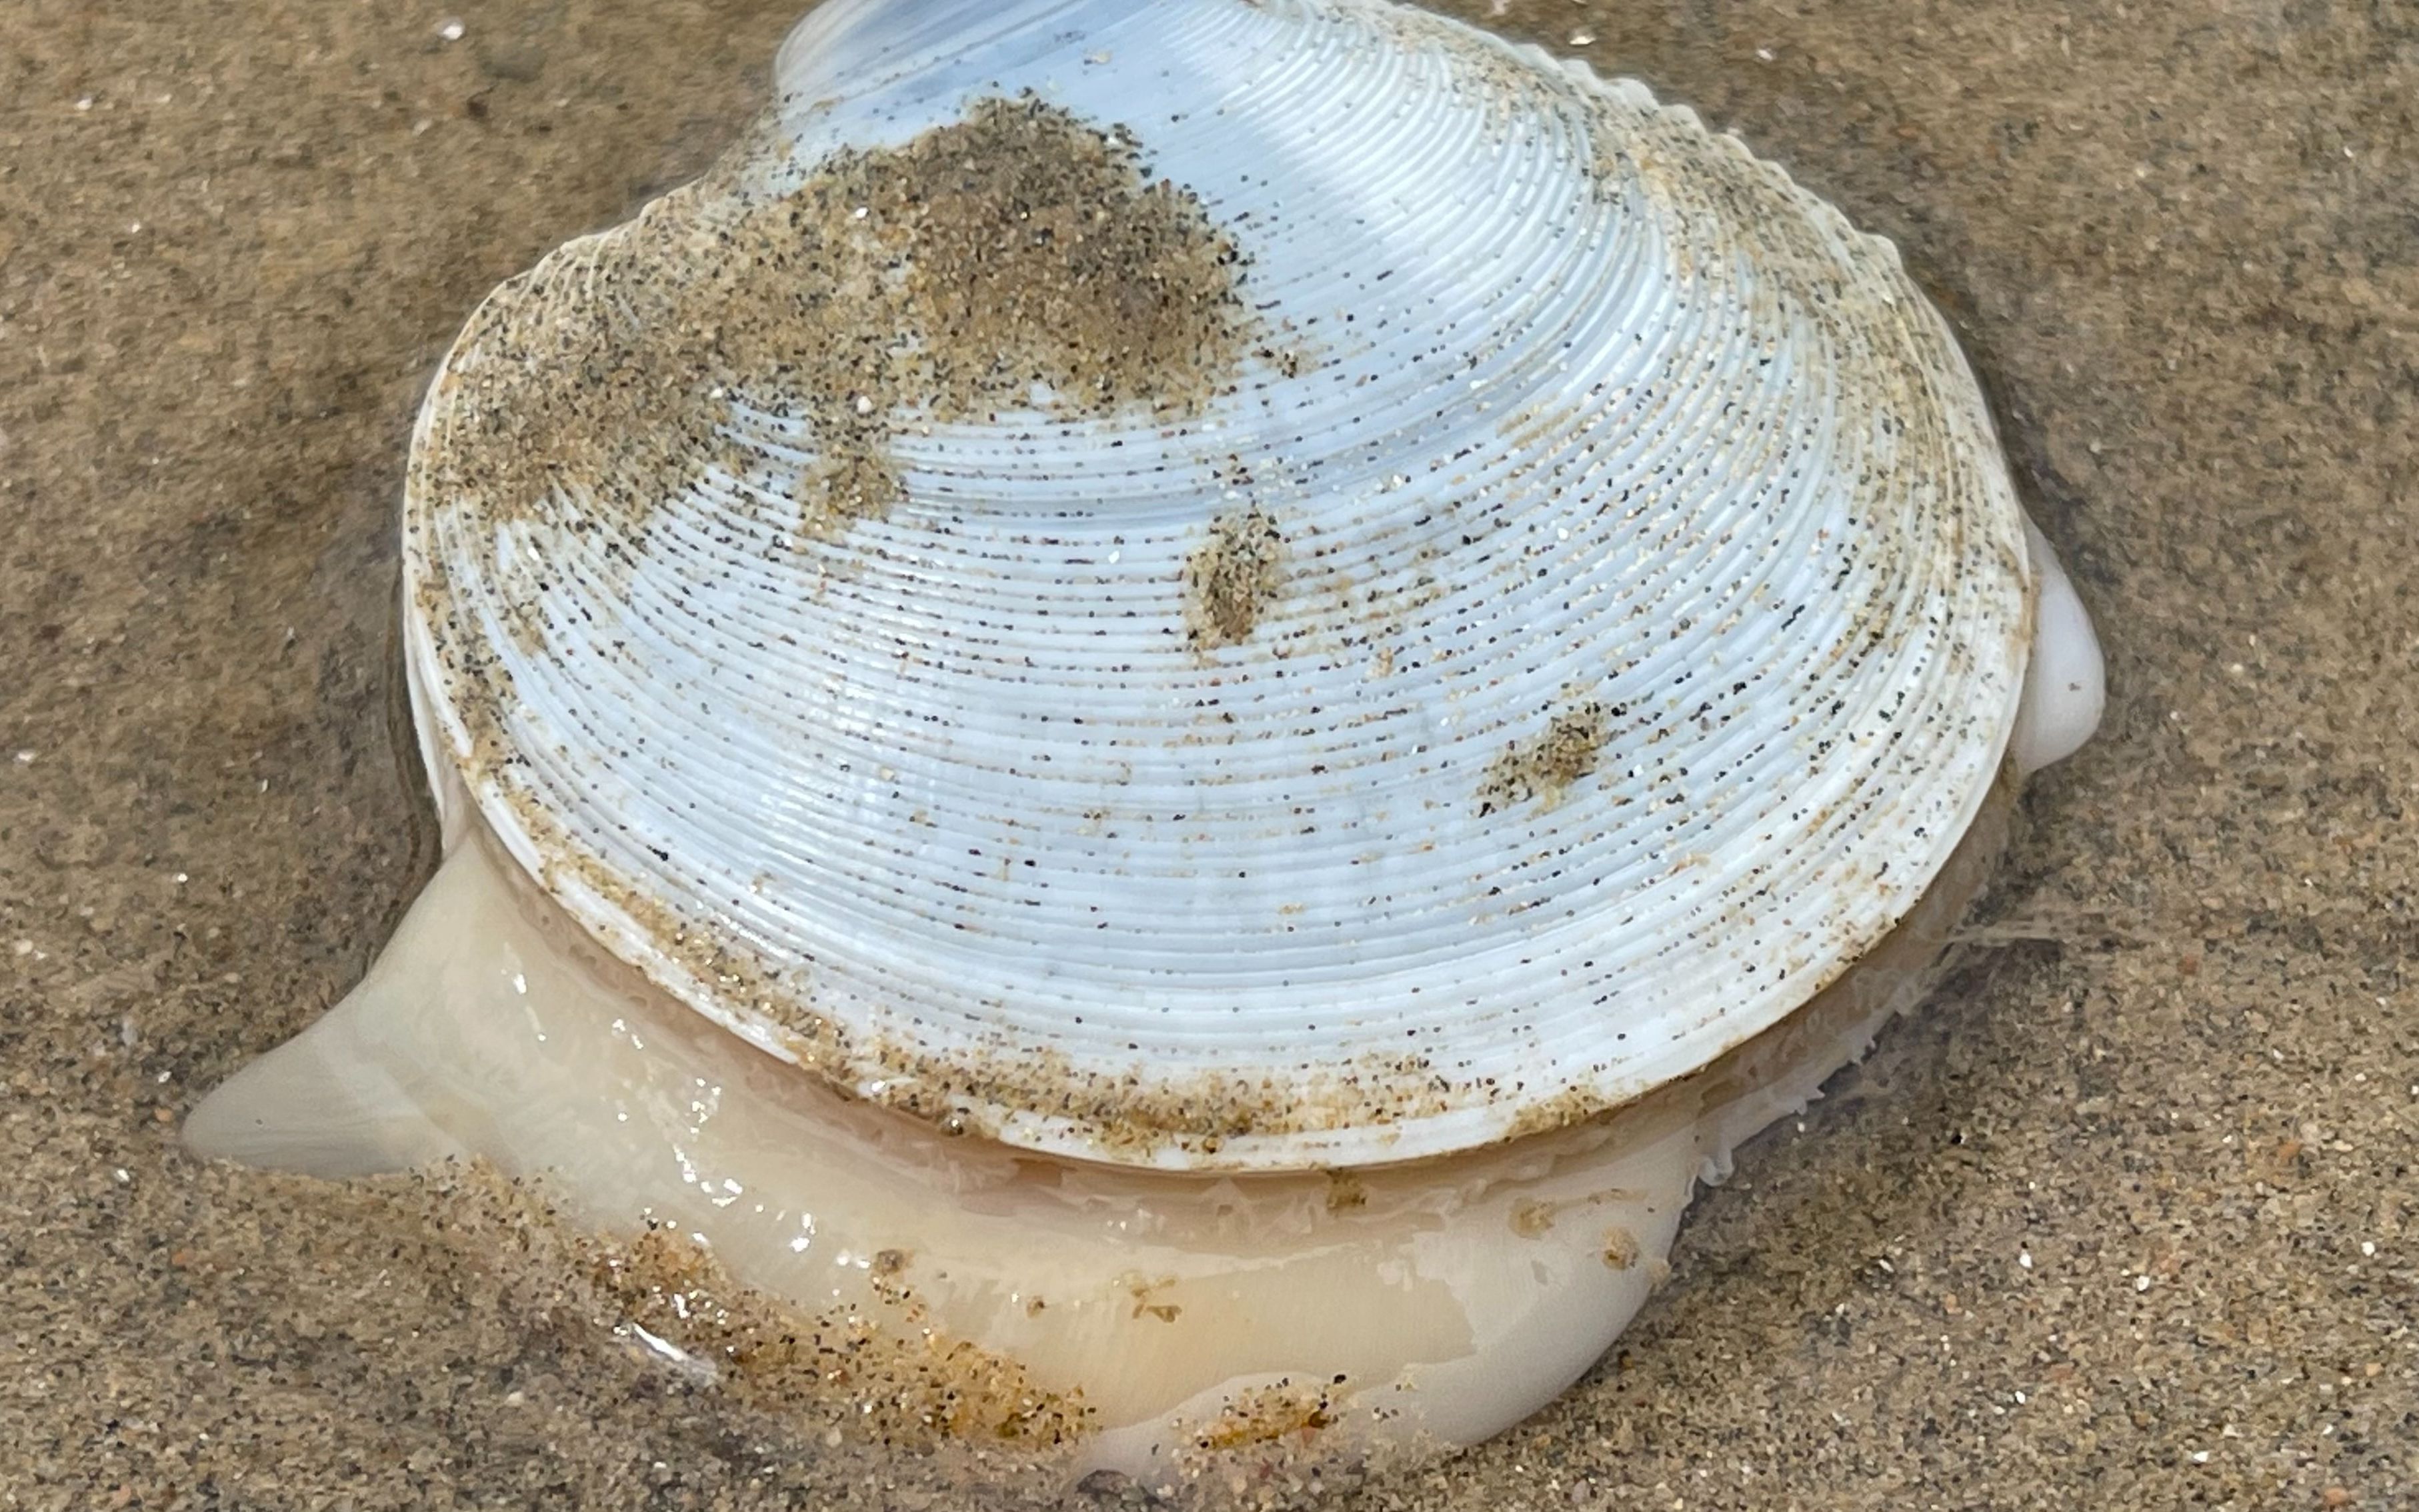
(2127, 1219)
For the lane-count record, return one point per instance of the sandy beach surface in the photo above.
(2127, 1218)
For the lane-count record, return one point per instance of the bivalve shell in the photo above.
(1474, 597)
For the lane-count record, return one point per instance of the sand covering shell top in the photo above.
(1466, 599)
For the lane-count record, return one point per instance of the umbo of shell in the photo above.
(1162, 717)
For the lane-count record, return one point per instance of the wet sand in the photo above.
(2120, 1220)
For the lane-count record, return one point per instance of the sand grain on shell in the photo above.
(1231, 577)
(1546, 764)
(1019, 257)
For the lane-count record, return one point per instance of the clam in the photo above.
(1190, 701)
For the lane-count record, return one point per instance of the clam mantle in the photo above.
(1263, 669)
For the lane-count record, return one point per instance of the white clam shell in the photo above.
(1607, 431)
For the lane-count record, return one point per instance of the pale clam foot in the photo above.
(1443, 1301)
(1448, 1298)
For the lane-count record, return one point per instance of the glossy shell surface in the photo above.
(1637, 619)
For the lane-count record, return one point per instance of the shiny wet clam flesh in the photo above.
(1190, 704)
